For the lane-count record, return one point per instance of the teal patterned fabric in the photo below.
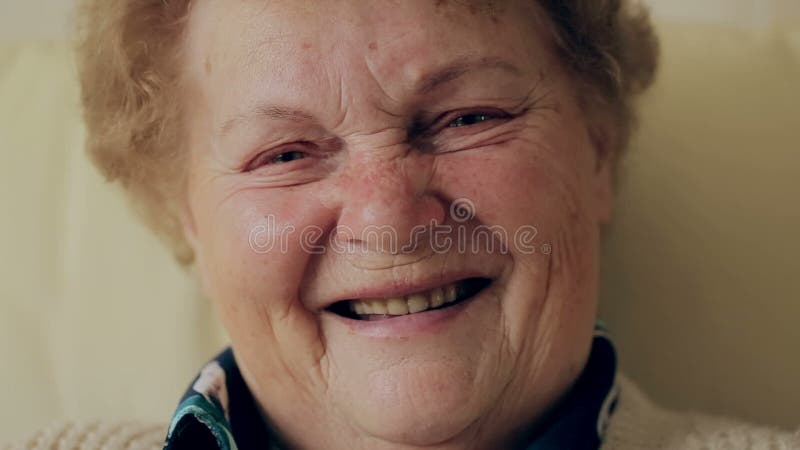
(209, 414)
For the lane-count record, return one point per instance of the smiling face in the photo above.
(329, 142)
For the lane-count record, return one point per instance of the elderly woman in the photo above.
(396, 208)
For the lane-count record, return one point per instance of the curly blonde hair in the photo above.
(129, 57)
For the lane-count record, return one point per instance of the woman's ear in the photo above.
(190, 234)
(604, 190)
(191, 237)
(188, 225)
(605, 146)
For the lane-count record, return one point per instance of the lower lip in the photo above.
(410, 325)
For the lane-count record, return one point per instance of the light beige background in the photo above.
(50, 19)
(701, 270)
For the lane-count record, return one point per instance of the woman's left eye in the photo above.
(469, 119)
(287, 157)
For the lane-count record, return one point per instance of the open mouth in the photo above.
(433, 299)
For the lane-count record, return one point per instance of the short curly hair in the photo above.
(129, 58)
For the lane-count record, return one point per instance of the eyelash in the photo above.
(485, 115)
(271, 157)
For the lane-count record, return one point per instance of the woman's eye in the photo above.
(286, 157)
(270, 158)
(469, 119)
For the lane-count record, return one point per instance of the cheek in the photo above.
(252, 245)
(541, 183)
(519, 186)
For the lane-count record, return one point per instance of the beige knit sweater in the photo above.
(637, 424)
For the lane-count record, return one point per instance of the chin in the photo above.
(423, 380)
(423, 404)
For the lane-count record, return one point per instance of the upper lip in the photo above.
(400, 288)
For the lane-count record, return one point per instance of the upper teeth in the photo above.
(400, 306)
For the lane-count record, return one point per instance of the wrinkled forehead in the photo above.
(299, 46)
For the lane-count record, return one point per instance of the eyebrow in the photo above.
(425, 85)
(273, 112)
(430, 82)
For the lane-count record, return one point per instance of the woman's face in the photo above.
(351, 150)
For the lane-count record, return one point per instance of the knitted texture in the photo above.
(637, 424)
(96, 436)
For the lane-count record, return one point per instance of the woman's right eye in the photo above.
(279, 157)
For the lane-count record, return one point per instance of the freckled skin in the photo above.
(488, 377)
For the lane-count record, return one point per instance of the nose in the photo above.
(388, 206)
